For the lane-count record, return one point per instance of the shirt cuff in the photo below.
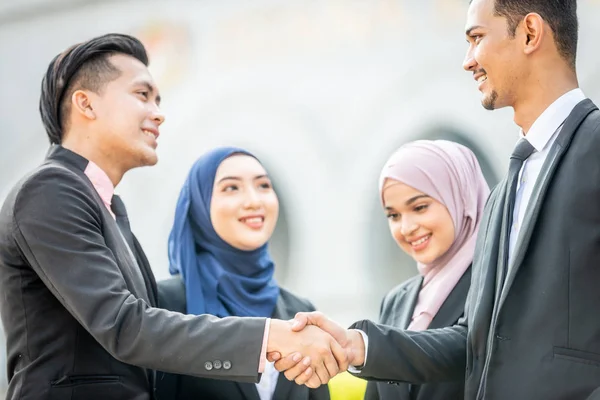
(263, 351)
(358, 370)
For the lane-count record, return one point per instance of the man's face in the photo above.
(493, 55)
(127, 115)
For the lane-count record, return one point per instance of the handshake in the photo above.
(311, 349)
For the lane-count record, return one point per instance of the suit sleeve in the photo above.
(59, 232)
(434, 355)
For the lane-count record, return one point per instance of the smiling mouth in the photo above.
(421, 243)
(150, 133)
(253, 222)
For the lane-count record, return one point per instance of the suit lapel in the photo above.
(454, 305)
(572, 123)
(485, 290)
(147, 273)
(281, 310)
(407, 303)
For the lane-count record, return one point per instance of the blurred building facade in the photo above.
(322, 91)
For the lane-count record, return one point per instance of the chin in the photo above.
(426, 258)
(489, 101)
(251, 243)
(148, 158)
(249, 246)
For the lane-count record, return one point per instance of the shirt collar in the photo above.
(101, 183)
(551, 119)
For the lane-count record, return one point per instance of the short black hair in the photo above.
(83, 66)
(561, 15)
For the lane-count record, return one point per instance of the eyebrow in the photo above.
(413, 199)
(471, 29)
(410, 201)
(151, 88)
(237, 178)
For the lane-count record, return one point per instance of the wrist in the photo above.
(357, 345)
(277, 335)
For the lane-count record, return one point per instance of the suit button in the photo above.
(217, 364)
(208, 365)
(226, 364)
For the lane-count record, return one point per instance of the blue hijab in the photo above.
(220, 279)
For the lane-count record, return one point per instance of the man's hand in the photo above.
(350, 340)
(325, 356)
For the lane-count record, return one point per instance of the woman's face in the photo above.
(244, 208)
(421, 225)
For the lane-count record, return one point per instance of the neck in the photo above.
(539, 94)
(80, 144)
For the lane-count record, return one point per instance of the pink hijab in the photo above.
(449, 173)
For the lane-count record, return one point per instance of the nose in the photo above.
(469, 63)
(408, 226)
(157, 115)
(252, 199)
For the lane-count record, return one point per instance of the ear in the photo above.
(81, 104)
(534, 29)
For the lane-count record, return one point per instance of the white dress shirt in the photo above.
(541, 136)
(268, 382)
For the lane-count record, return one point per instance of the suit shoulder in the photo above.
(47, 178)
(295, 301)
(54, 192)
(50, 177)
(390, 299)
(401, 288)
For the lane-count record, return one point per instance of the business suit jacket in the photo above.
(397, 309)
(534, 334)
(77, 306)
(171, 295)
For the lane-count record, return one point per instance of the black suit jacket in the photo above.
(397, 309)
(537, 335)
(171, 294)
(77, 306)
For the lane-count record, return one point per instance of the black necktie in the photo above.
(118, 208)
(521, 152)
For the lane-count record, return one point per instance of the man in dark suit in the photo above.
(77, 290)
(530, 329)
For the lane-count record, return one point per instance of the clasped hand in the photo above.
(311, 349)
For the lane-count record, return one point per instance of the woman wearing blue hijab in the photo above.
(218, 253)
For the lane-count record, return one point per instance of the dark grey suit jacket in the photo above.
(171, 295)
(76, 305)
(537, 336)
(397, 309)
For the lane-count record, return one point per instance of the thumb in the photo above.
(300, 321)
(308, 318)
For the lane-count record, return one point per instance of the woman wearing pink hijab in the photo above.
(433, 193)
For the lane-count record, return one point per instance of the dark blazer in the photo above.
(397, 309)
(537, 335)
(171, 295)
(77, 303)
